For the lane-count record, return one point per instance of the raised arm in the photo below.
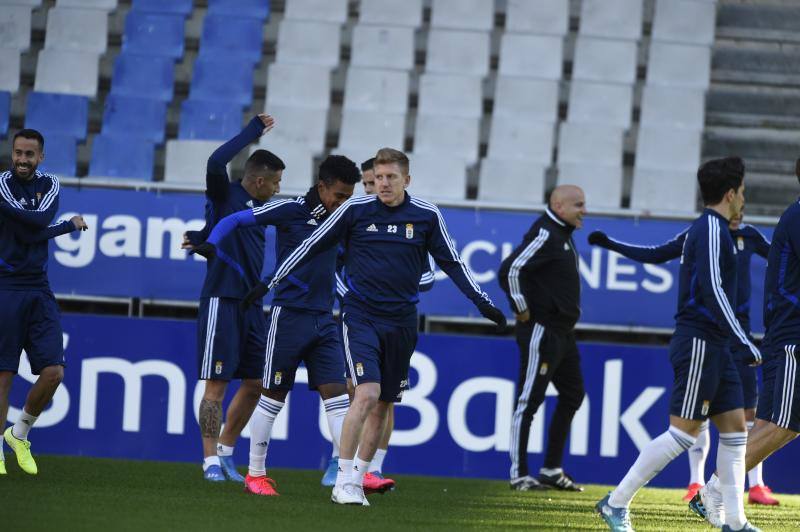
(647, 254)
(761, 242)
(38, 218)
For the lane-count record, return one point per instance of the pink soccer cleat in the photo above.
(374, 484)
(260, 485)
(762, 495)
(691, 491)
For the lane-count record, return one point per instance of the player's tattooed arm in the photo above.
(210, 418)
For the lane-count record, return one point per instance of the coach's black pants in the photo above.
(546, 355)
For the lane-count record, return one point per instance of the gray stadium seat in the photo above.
(311, 43)
(370, 89)
(67, 73)
(298, 86)
(9, 70)
(434, 177)
(363, 132)
(541, 16)
(299, 173)
(659, 147)
(605, 60)
(673, 107)
(382, 47)
(446, 95)
(664, 190)
(684, 21)
(456, 137)
(590, 143)
(334, 11)
(391, 13)
(531, 56)
(476, 15)
(600, 103)
(15, 27)
(107, 5)
(80, 30)
(601, 184)
(30, 4)
(679, 65)
(514, 138)
(295, 125)
(613, 19)
(526, 99)
(458, 52)
(186, 160)
(510, 181)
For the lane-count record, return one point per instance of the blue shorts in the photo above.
(706, 379)
(30, 321)
(231, 343)
(747, 374)
(379, 352)
(307, 336)
(781, 389)
(766, 396)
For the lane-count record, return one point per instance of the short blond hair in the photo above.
(392, 156)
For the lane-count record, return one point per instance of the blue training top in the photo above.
(782, 282)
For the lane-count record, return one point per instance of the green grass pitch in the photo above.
(98, 494)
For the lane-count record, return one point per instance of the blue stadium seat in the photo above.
(141, 75)
(5, 112)
(170, 7)
(57, 114)
(153, 34)
(224, 35)
(122, 156)
(216, 77)
(240, 8)
(207, 120)
(60, 155)
(133, 116)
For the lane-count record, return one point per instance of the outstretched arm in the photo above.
(30, 236)
(669, 250)
(761, 242)
(38, 218)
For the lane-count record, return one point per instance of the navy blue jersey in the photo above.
(782, 281)
(425, 282)
(707, 284)
(386, 253)
(748, 240)
(26, 209)
(245, 247)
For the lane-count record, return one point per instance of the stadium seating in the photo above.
(391, 13)
(298, 86)
(673, 107)
(9, 69)
(613, 19)
(664, 148)
(601, 184)
(363, 131)
(383, 47)
(203, 120)
(258, 9)
(79, 30)
(458, 52)
(664, 190)
(605, 60)
(301, 126)
(600, 103)
(526, 99)
(305, 42)
(679, 65)
(172, 7)
(5, 112)
(434, 177)
(531, 56)
(684, 21)
(511, 181)
(29, 3)
(134, 116)
(541, 17)
(187, 159)
(477, 15)
(299, 174)
(590, 143)
(67, 72)
(141, 75)
(153, 34)
(105, 5)
(333, 11)
(61, 114)
(456, 136)
(216, 76)
(122, 156)
(234, 37)
(15, 27)
(369, 89)
(60, 154)
(446, 95)
(521, 140)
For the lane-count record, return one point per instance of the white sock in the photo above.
(345, 473)
(336, 410)
(653, 458)
(208, 461)
(260, 431)
(359, 470)
(376, 465)
(697, 456)
(730, 468)
(23, 425)
(754, 476)
(224, 450)
(551, 472)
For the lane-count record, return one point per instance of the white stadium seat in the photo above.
(679, 65)
(15, 27)
(458, 52)
(9, 70)
(186, 160)
(526, 99)
(476, 15)
(298, 86)
(299, 173)
(512, 138)
(442, 94)
(600, 103)
(540, 17)
(510, 181)
(673, 107)
(300, 126)
(368, 89)
(311, 43)
(531, 56)
(364, 132)
(456, 137)
(79, 30)
(67, 72)
(434, 177)
(605, 60)
(668, 148)
(601, 184)
(613, 19)
(391, 13)
(382, 47)
(106, 5)
(664, 190)
(590, 143)
(684, 21)
(334, 11)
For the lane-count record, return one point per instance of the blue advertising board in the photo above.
(130, 391)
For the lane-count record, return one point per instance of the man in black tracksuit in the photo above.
(541, 280)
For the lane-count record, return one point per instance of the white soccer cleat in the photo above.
(349, 494)
(712, 501)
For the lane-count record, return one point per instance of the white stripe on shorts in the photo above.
(211, 331)
(271, 333)
(787, 397)
(347, 353)
(693, 381)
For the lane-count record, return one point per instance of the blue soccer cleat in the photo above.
(617, 519)
(214, 474)
(746, 528)
(229, 468)
(329, 478)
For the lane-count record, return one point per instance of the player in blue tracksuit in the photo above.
(232, 340)
(749, 241)
(706, 383)
(387, 238)
(28, 310)
(302, 327)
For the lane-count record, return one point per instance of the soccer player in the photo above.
(232, 340)
(541, 280)
(368, 176)
(386, 238)
(28, 312)
(302, 327)
(749, 240)
(706, 382)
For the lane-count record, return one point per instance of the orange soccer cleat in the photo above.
(375, 484)
(260, 485)
(691, 491)
(762, 495)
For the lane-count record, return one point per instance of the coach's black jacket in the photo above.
(541, 275)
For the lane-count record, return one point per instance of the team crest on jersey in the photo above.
(359, 369)
(218, 367)
(543, 369)
(409, 230)
(704, 409)
(278, 377)
(23, 201)
(566, 246)
(39, 197)
(249, 203)
(740, 243)
(312, 221)
(372, 228)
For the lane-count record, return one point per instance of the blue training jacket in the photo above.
(782, 282)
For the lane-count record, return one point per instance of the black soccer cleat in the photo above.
(559, 481)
